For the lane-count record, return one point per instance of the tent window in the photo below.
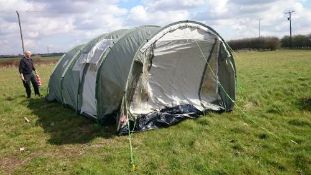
(93, 56)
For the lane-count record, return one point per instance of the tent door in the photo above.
(88, 91)
(175, 77)
(89, 103)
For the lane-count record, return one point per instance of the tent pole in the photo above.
(20, 30)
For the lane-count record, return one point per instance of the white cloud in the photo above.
(171, 5)
(162, 12)
(242, 17)
(142, 15)
(9, 5)
(46, 22)
(61, 24)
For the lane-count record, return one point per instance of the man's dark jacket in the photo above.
(26, 67)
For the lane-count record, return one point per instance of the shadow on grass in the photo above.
(12, 98)
(64, 125)
(304, 104)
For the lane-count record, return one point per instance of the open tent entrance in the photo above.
(176, 79)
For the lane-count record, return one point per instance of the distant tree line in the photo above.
(271, 43)
(298, 41)
(260, 43)
(35, 54)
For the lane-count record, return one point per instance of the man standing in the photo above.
(25, 69)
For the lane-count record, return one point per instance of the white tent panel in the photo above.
(89, 104)
(175, 75)
(177, 71)
(88, 92)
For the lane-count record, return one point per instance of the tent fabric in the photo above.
(83, 80)
(149, 77)
(185, 66)
(114, 71)
(70, 79)
(74, 78)
(54, 86)
(88, 103)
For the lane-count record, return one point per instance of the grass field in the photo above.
(269, 132)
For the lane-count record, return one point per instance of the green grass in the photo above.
(269, 132)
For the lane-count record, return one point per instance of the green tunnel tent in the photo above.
(182, 71)
(147, 77)
(89, 75)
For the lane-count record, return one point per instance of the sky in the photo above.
(59, 25)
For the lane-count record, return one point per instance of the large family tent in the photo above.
(147, 77)
(182, 71)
